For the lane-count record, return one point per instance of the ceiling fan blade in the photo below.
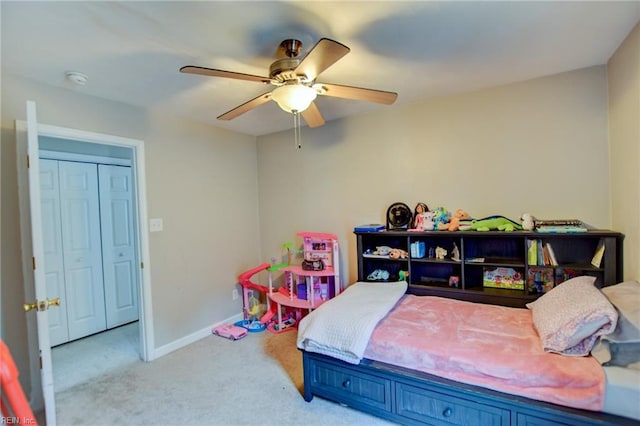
(358, 93)
(325, 53)
(245, 107)
(312, 116)
(191, 69)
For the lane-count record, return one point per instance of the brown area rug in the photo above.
(282, 348)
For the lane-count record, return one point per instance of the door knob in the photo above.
(43, 305)
(53, 302)
(29, 306)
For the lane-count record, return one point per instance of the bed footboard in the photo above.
(412, 397)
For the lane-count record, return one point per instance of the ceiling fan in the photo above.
(295, 84)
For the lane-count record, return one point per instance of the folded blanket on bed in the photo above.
(622, 347)
(341, 327)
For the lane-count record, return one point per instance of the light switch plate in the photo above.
(155, 225)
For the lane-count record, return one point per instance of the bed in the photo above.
(570, 359)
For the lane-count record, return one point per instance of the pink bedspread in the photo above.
(490, 346)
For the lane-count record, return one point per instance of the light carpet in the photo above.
(254, 381)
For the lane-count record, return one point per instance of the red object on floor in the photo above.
(18, 407)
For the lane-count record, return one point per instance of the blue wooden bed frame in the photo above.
(413, 397)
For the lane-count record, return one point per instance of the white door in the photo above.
(33, 256)
(52, 242)
(80, 211)
(118, 244)
(39, 281)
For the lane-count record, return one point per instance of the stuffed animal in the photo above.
(458, 218)
(427, 221)
(527, 222)
(440, 253)
(398, 254)
(499, 223)
(382, 251)
(440, 218)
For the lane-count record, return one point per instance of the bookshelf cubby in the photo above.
(506, 254)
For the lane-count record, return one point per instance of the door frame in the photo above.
(147, 344)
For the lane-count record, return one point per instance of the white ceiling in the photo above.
(132, 51)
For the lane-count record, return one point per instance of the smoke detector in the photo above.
(77, 77)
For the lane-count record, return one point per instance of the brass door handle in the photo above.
(53, 302)
(43, 305)
(29, 306)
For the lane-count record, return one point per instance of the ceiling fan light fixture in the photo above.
(294, 97)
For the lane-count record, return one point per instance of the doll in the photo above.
(418, 216)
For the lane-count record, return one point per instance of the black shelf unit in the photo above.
(498, 249)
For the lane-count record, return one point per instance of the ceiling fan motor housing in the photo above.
(283, 69)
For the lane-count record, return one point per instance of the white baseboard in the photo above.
(191, 338)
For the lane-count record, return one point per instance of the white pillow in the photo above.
(571, 316)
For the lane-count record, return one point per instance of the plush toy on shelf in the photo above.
(440, 218)
(499, 223)
(398, 254)
(527, 222)
(382, 251)
(459, 218)
(427, 222)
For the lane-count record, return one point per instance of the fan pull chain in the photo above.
(296, 129)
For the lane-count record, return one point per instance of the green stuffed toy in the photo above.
(499, 223)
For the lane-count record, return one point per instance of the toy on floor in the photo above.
(288, 323)
(251, 308)
(254, 319)
(251, 322)
(230, 331)
(267, 320)
(305, 288)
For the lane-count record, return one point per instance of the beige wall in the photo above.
(624, 133)
(201, 181)
(538, 146)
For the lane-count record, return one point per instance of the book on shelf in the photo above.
(560, 226)
(597, 256)
(546, 259)
(369, 227)
(532, 252)
(500, 277)
(560, 229)
(540, 253)
(553, 261)
(559, 222)
(564, 274)
(540, 279)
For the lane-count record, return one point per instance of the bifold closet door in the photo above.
(52, 242)
(82, 249)
(118, 247)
